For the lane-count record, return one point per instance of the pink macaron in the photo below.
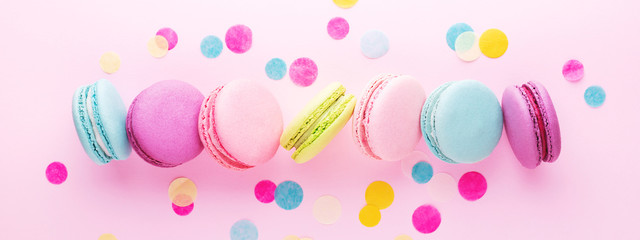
(240, 124)
(531, 124)
(162, 123)
(386, 123)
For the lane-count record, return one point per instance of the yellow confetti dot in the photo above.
(403, 237)
(493, 43)
(110, 62)
(291, 237)
(184, 186)
(158, 46)
(379, 194)
(345, 3)
(182, 200)
(107, 236)
(370, 216)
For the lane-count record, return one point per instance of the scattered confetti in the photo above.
(182, 200)
(244, 230)
(56, 173)
(327, 209)
(370, 216)
(338, 28)
(441, 187)
(454, 31)
(374, 44)
(422, 172)
(182, 185)
(407, 163)
(467, 46)
(403, 237)
(276, 68)
(170, 35)
(573, 70)
(288, 195)
(426, 219)
(379, 194)
(182, 211)
(238, 39)
(107, 236)
(345, 3)
(594, 96)
(303, 72)
(472, 186)
(110, 62)
(211, 46)
(158, 46)
(265, 191)
(493, 43)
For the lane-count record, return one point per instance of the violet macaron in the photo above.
(531, 124)
(162, 123)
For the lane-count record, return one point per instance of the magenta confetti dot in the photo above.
(56, 173)
(573, 70)
(303, 72)
(238, 38)
(182, 211)
(472, 186)
(265, 191)
(338, 28)
(170, 35)
(426, 219)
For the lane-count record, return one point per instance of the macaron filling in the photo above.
(364, 112)
(528, 92)
(428, 122)
(96, 125)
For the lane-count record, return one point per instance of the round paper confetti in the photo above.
(467, 47)
(182, 185)
(276, 68)
(441, 187)
(170, 35)
(291, 237)
(374, 44)
(426, 219)
(244, 230)
(303, 72)
(107, 236)
(472, 186)
(110, 62)
(238, 39)
(403, 237)
(379, 194)
(327, 209)
(265, 191)
(182, 211)
(454, 31)
(338, 28)
(370, 216)
(158, 46)
(595, 96)
(345, 3)
(573, 70)
(407, 163)
(182, 200)
(422, 172)
(211, 46)
(493, 43)
(56, 173)
(288, 195)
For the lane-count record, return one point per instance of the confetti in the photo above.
(107, 236)
(379, 194)
(468, 47)
(407, 163)
(158, 46)
(303, 72)
(182, 185)
(426, 219)
(374, 44)
(56, 173)
(182, 211)
(422, 172)
(291, 237)
(170, 35)
(594, 96)
(238, 39)
(182, 200)
(276, 69)
(493, 43)
(454, 31)
(110, 62)
(265, 191)
(211, 46)
(244, 230)
(573, 70)
(338, 28)
(370, 216)
(288, 195)
(403, 237)
(345, 3)
(472, 186)
(327, 209)
(441, 187)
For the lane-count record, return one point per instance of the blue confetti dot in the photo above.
(244, 230)
(374, 44)
(422, 172)
(289, 195)
(595, 96)
(276, 68)
(211, 46)
(454, 31)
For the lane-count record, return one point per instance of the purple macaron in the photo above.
(531, 124)
(162, 123)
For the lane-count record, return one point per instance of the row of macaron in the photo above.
(240, 123)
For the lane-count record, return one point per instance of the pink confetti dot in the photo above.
(265, 191)
(573, 70)
(472, 186)
(238, 38)
(303, 72)
(182, 211)
(338, 28)
(426, 219)
(170, 35)
(56, 173)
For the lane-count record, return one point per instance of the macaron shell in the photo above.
(520, 127)
(84, 132)
(551, 118)
(112, 116)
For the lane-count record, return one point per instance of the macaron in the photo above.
(162, 123)
(531, 124)
(240, 124)
(318, 123)
(386, 122)
(99, 117)
(461, 121)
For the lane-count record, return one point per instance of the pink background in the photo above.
(49, 48)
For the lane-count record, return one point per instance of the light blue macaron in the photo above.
(461, 121)
(99, 116)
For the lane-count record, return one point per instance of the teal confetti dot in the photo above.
(454, 31)
(422, 172)
(211, 46)
(289, 195)
(244, 230)
(374, 44)
(276, 69)
(595, 96)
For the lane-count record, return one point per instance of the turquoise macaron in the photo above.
(461, 121)
(99, 116)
